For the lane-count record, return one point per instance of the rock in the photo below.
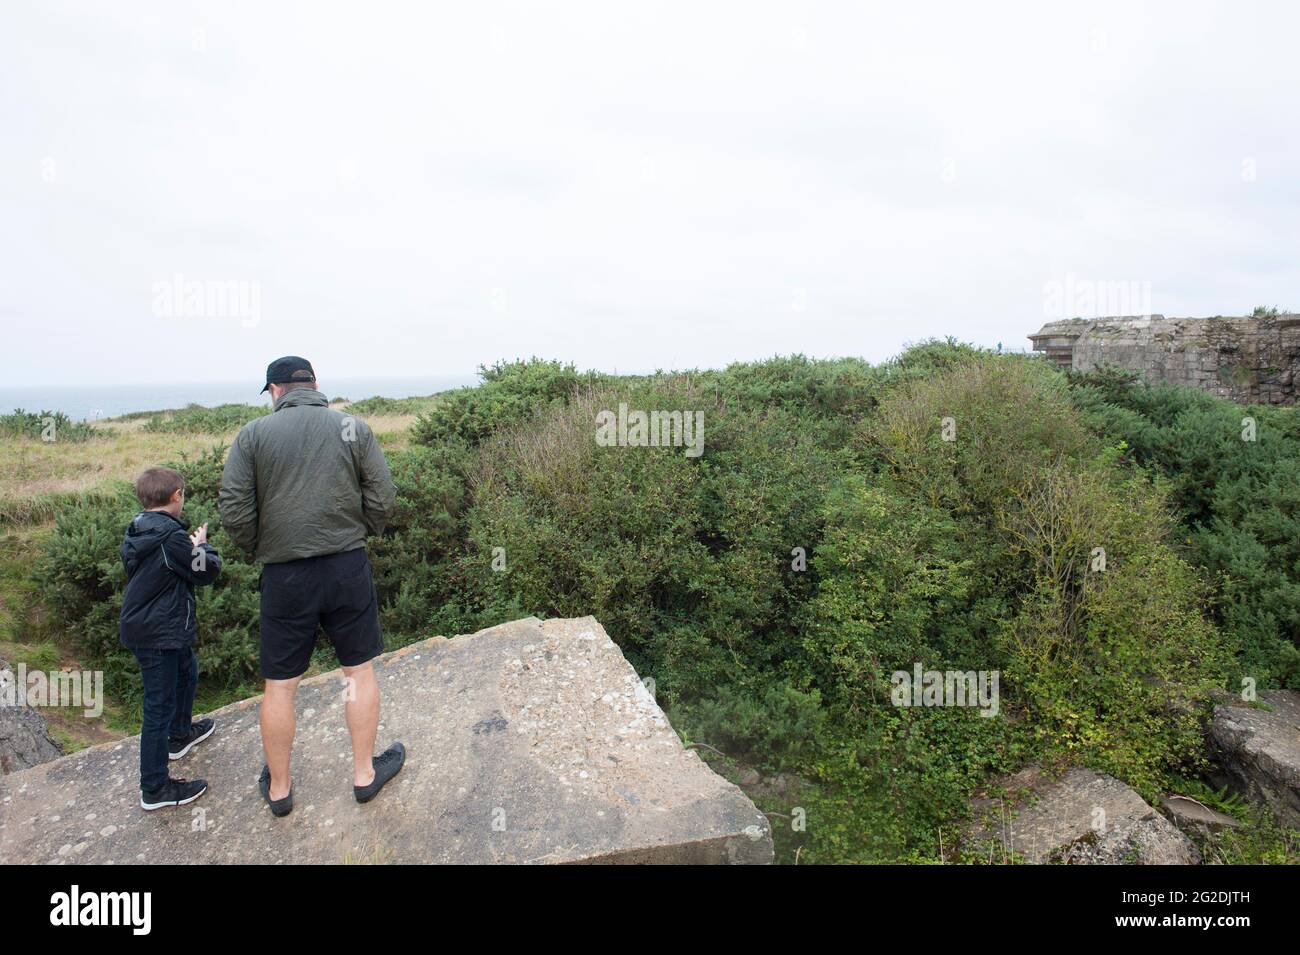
(1151, 841)
(1190, 814)
(1084, 817)
(1260, 750)
(528, 742)
(780, 786)
(25, 740)
(748, 777)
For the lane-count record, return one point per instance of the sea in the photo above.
(92, 402)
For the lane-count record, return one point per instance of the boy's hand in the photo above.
(200, 537)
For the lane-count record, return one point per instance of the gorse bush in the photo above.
(390, 406)
(196, 419)
(48, 426)
(1233, 477)
(80, 579)
(1118, 663)
(511, 391)
(966, 541)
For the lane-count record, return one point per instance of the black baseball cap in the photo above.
(287, 369)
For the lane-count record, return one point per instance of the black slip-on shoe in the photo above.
(279, 807)
(176, 792)
(387, 765)
(199, 731)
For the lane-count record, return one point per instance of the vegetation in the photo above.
(389, 406)
(47, 426)
(1233, 477)
(196, 419)
(1107, 550)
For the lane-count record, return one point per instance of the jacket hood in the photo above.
(301, 396)
(145, 534)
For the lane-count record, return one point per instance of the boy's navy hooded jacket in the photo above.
(158, 609)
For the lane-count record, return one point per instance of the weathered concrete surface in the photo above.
(1259, 750)
(25, 739)
(1249, 359)
(527, 742)
(1082, 818)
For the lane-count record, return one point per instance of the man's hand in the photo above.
(200, 537)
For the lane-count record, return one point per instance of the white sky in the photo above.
(417, 189)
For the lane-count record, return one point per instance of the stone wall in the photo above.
(1253, 360)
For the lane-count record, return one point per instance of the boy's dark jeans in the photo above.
(169, 680)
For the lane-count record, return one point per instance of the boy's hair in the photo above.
(155, 486)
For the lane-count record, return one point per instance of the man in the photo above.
(302, 489)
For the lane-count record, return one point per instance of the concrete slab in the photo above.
(530, 742)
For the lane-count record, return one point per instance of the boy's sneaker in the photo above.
(387, 765)
(199, 731)
(176, 792)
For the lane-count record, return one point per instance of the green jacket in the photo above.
(304, 481)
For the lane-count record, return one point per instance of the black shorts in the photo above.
(336, 592)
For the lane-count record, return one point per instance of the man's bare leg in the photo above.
(278, 727)
(362, 710)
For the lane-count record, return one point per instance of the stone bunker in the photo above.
(1251, 359)
(531, 742)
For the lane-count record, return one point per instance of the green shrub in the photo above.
(81, 579)
(415, 560)
(391, 406)
(197, 419)
(510, 392)
(1118, 664)
(48, 425)
(774, 726)
(1238, 502)
(977, 554)
(585, 529)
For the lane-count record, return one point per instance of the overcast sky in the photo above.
(418, 189)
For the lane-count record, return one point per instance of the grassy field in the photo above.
(38, 478)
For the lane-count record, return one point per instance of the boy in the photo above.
(163, 563)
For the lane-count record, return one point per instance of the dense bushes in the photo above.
(1238, 500)
(47, 426)
(511, 391)
(828, 535)
(1105, 643)
(390, 406)
(196, 419)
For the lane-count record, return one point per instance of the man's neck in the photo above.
(299, 395)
